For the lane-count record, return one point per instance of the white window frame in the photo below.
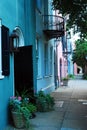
(38, 59)
(51, 59)
(21, 37)
(1, 76)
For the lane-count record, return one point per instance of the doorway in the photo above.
(23, 70)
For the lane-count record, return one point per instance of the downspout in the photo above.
(56, 64)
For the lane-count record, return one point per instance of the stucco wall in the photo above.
(45, 83)
(61, 61)
(15, 13)
(8, 16)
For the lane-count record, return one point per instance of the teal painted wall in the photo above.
(23, 14)
(45, 83)
(16, 13)
(8, 16)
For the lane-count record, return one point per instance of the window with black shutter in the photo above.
(5, 50)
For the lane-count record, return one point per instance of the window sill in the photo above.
(39, 77)
(46, 76)
(1, 77)
(51, 75)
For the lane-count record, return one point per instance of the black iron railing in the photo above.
(53, 25)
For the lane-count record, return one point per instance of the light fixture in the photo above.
(14, 42)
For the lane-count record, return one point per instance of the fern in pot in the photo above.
(20, 112)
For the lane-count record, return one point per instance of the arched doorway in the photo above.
(23, 67)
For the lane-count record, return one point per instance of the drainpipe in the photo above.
(56, 78)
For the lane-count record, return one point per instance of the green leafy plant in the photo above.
(23, 93)
(50, 101)
(75, 10)
(85, 76)
(80, 53)
(26, 115)
(65, 81)
(44, 101)
(65, 78)
(32, 108)
(70, 76)
(19, 105)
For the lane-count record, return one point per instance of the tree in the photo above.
(80, 53)
(77, 10)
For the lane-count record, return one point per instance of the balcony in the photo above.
(53, 26)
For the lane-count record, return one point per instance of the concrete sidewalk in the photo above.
(70, 110)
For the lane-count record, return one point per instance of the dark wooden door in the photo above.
(23, 69)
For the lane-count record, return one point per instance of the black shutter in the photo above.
(5, 51)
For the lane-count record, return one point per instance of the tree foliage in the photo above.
(77, 10)
(80, 53)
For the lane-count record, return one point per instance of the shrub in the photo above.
(44, 101)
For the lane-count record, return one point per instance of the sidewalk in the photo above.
(70, 111)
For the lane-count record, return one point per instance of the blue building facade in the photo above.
(69, 57)
(44, 49)
(18, 16)
(27, 55)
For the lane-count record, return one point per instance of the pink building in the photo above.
(75, 69)
(61, 61)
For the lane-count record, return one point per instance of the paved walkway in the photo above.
(70, 111)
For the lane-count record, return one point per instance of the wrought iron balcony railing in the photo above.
(53, 26)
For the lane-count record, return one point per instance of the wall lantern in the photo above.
(14, 42)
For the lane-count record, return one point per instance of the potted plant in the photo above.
(50, 101)
(44, 102)
(65, 81)
(20, 112)
(70, 76)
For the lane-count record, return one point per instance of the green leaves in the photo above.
(80, 53)
(44, 102)
(77, 10)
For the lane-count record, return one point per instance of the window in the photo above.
(46, 59)
(4, 51)
(38, 59)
